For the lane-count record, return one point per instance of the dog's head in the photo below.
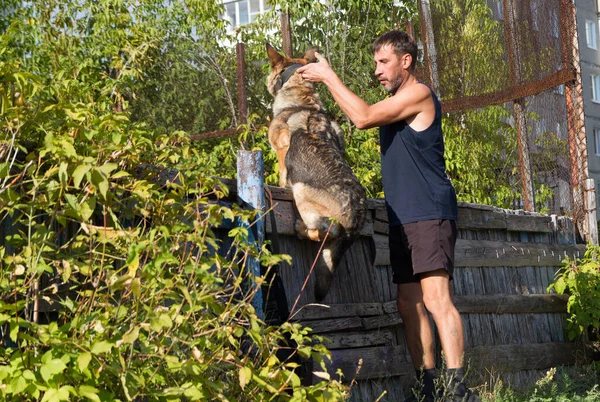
(282, 68)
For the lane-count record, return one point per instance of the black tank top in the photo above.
(414, 176)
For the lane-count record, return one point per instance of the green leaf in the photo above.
(14, 330)
(3, 170)
(83, 360)
(160, 322)
(89, 392)
(136, 287)
(132, 335)
(56, 395)
(78, 174)
(86, 209)
(101, 347)
(62, 174)
(107, 168)
(245, 376)
(560, 285)
(100, 181)
(17, 385)
(51, 368)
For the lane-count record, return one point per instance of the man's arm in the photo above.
(395, 108)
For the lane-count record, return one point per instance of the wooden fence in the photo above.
(505, 261)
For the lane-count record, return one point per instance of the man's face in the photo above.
(389, 68)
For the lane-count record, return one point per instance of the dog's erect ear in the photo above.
(274, 57)
(309, 55)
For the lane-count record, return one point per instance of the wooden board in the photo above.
(518, 304)
(360, 339)
(512, 358)
(321, 311)
(386, 361)
(374, 362)
(491, 253)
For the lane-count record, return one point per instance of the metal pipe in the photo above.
(250, 185)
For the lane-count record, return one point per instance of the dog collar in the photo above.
(285, 76)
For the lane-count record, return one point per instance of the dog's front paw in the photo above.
(301, 229)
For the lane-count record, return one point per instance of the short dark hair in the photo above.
(401, 43)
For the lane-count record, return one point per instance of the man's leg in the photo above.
(437, 298)
(419, 335)
(438, 301)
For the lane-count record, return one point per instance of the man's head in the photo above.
(401, 43)
(395, 54)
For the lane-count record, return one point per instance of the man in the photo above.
(420, 200)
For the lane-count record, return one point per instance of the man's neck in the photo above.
(409, 81)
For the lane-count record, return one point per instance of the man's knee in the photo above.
(438, 302)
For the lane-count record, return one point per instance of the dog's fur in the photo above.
(310, 152)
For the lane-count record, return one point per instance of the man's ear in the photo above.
(406, 60)
(274, 56)
(309, 55)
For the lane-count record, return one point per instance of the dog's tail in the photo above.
(329, 259)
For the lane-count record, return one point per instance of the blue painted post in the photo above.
(250, 181)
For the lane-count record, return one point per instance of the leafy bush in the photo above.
(580, 278)
(114, 283)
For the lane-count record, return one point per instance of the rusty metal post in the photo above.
(286, 34)
(250, 185)
(582, 191)
(241, 83)
(510, 30)
(429, 52)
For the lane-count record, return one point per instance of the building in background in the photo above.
(588, 27)
(242, 12)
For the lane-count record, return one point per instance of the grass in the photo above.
(563, 384)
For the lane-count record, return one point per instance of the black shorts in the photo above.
(420, 247)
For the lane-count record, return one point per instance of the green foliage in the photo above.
(580, 279)
(113, 224)
(560, 384)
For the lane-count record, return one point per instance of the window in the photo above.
(597, 141)
(241, 12)
(590, 34)
(596, 88)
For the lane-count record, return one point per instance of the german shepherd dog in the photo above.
(310, 152)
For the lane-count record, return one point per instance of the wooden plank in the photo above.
(489, 253)
(518, 304)
(505, 358)
(528, 223)
(334, 324)
(369, 363)
(346, 340)
(492, 253)
(502, 304)
(381, 321)
(382, 255)
(321, 311)
(285, 217)
(471, 218)
(381, 227)
(385, 361)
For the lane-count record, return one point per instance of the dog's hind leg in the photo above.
(315, 211)
(279, 138)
